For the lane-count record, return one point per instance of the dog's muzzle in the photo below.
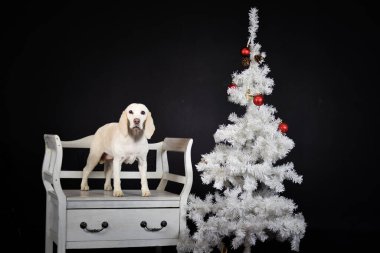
(136, 132)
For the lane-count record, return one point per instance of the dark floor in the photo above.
(314, 241)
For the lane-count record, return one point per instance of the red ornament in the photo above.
(283, 127)
(232, 86)
(245, 51)
(258, 100)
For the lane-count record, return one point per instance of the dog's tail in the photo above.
(81, 143)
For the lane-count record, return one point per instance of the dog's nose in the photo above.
(136, 121)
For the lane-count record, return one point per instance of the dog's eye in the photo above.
(142, 112)
(130, 112)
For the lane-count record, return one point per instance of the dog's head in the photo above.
(136, 121)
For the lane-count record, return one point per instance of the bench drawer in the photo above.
(123, 224)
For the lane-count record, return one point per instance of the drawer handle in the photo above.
(144, 225)
(83, 225)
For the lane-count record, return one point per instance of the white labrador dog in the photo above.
(125, 141)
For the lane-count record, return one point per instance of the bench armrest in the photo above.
(51, 167)
(182, 145)
(178, 145)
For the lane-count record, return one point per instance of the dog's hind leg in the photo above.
(108, 175)
(92, 161)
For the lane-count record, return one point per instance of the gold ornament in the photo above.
(248, 94)
(258, 58)
(245, 61)
(223, 249)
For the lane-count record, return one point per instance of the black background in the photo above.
(69, 68)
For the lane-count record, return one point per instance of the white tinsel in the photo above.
(244, 166)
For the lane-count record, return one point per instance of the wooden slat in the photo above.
(155, 146)
(77, 199)
(174, 178)
(121, 244)
(122, 204)
(86, 143)
(175, 144)
(100, 174)
(129, 195)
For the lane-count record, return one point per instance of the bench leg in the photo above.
(48, 224)
(158, 249)
(48, 245)
(61, 245)
(61, 249)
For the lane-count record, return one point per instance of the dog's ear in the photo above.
(149, 126)
(123, 123)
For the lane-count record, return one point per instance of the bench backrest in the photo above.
(54, 153)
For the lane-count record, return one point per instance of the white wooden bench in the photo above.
(95, 219)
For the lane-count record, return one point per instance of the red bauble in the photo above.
(245, 51)
(258, 100)
(232, 86)
(283, 127)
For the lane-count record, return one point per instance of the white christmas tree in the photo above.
(244, 169)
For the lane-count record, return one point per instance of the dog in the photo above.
(125, 141)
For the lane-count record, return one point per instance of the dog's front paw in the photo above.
(84, 188)
(145, 192)
(118, 193)
(107, 187)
